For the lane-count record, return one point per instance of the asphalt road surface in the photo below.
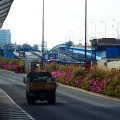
(70, 104)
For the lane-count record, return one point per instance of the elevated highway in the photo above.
(71, 53)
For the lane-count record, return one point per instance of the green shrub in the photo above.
(84, 84)
(66, 69)
(8, 68)
(79, 72)
(109, 90)
(51, 67)
(72, 80)
(116, 92)
(63, 78)
(96, 73)
(13, 61)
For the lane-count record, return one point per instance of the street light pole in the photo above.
(105, 28)
(79, 35)
(117, 29)
(85, 30)
(43, 37)
(95, 29)
(73, 36)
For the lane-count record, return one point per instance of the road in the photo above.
(70, 104)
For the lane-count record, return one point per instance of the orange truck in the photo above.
(40, 86)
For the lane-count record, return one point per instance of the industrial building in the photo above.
(105, 47)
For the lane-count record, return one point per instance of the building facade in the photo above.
(105, 47)
(109, 63)
(5, 37)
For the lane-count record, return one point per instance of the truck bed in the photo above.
(41, 86)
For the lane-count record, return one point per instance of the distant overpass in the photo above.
(71, 53)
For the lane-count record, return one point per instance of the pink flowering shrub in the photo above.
(97, 80)
(59, 76)
(67, 78)
(5, 66)
(9, 63)
(8, 67)
(13, 67)
(1, 65)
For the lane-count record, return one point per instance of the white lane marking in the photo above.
(22, 84)
(3, 77)
(17, 105)
(3, 96)
(91, 111)
(11, 79)
(8, 78)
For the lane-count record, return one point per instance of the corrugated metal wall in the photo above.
(7, 54)
(112, 52)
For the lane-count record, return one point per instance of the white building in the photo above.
(5, 37)
(109, 63)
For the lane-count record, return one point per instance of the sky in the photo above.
(64, 20)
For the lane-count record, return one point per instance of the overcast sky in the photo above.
(64, 20)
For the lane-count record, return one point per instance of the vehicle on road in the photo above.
(40, 86)
(37, 66)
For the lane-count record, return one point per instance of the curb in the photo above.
(90, 92)
(14, 72)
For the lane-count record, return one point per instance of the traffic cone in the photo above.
(21, 70)
(30, 70)
(17, 70)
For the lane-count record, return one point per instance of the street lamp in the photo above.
(73, 36)
(105, 28)
(117, 28)
(65, 39)
(95, 29)
(80, 35)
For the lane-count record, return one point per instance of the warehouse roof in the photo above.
(4, 10)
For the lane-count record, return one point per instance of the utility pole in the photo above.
(85, 30)
(43, 37)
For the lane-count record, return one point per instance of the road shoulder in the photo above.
(90, 92)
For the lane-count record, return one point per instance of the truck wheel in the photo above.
(33, 101)
(28, 101)
(52, 99)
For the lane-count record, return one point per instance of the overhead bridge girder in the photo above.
(4, 10)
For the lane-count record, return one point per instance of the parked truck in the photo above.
(40, 86)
